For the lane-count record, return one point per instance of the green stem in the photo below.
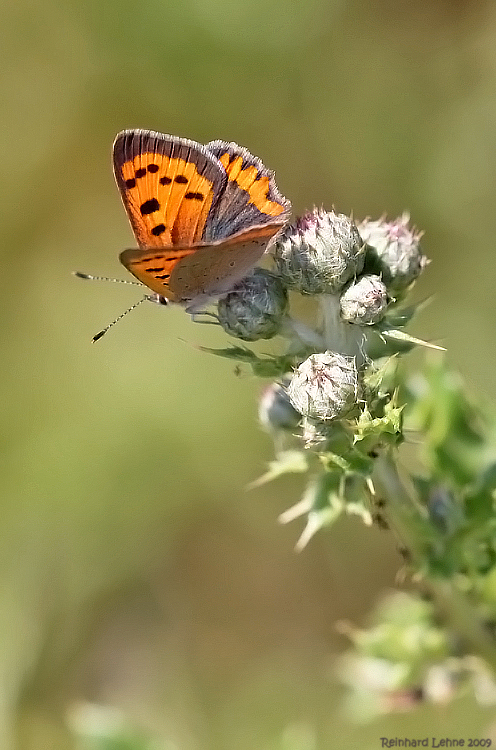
(405, 516)
(345, 338)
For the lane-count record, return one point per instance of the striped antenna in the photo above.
(147, 298)
(133, 307)
(82, 275)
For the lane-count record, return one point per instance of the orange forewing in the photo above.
(176, 197)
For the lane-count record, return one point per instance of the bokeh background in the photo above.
(141, 585)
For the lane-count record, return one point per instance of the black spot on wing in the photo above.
(129, 145)
(158, 230)
(149, 207)
(235, 211)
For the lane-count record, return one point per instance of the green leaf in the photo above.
(287, 462)
(267, 366)
(239, 353)
(334, 460)
(377, 430)
(376, 376)
(479, 501)
(402, 336)
(455, 445)
(323, 496)
(397, 317)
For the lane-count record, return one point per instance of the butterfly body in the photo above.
(202, 215)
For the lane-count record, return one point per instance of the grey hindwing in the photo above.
(233, 212)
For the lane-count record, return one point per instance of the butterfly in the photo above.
(202, 215)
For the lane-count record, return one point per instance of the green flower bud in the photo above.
(325, 386)
(319, 253)
(275, 411)
(364, 301)
(255, 308)
(393, 251)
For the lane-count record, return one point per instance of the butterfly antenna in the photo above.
(81, 275)
(129, 309)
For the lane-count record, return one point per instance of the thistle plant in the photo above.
(339, 403)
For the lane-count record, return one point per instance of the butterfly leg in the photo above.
(157, 298)
(196, 319)
(196, 316)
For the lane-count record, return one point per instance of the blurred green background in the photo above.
(137, 572)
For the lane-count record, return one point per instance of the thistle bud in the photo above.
(319, 253)
(255, 308)
(275, 411)
(315, 432)
(364, 301)
(325, 386)
(393, 250)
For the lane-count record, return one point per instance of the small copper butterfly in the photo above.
(202, 215)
